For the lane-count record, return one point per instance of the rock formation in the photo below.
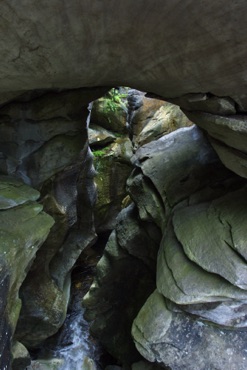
(53, 57)
(198, 208)
(168, 48)
(112, 152)
(20, 212)
(42, 136)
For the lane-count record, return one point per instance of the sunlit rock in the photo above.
(154, 119)
(110, 111)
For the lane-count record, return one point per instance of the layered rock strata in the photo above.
(20, 213)
(199, 208)
(44, 144)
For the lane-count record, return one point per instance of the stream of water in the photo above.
(73, 348)
(79, 353)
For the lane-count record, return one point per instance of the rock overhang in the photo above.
(168, 48)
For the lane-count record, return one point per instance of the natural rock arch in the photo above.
(168, 48)
(186, 51)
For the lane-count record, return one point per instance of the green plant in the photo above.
(113, 99)
(100, 152)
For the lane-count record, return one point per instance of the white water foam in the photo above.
(77, 355)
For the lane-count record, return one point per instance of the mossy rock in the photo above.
(110, 112)
(113, 167)
(17, 243)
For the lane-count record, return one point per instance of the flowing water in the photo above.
(80, 353)
(73, 348)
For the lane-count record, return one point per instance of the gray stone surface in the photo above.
(178, 341)
(42, 136)
(206, 103)
(98, 136)
(44, 142)
(231, 130)
(180, 186)
(147, 199)
(14, 193)
(140, 240)
(140, 111)
(228, 314)
(44, 364)
(56, 45)
(164, 120)
(113, 166)
(216, 241)
(228, 137)
(178, 164)
(184, 282)
(232, 158)
(17, 243)
(124, 279)
(50, 105)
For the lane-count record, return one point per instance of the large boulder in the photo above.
(149, 119)
(179, 165)
(219, 236)
(110, 111)
(181, 342)
(99, 137)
